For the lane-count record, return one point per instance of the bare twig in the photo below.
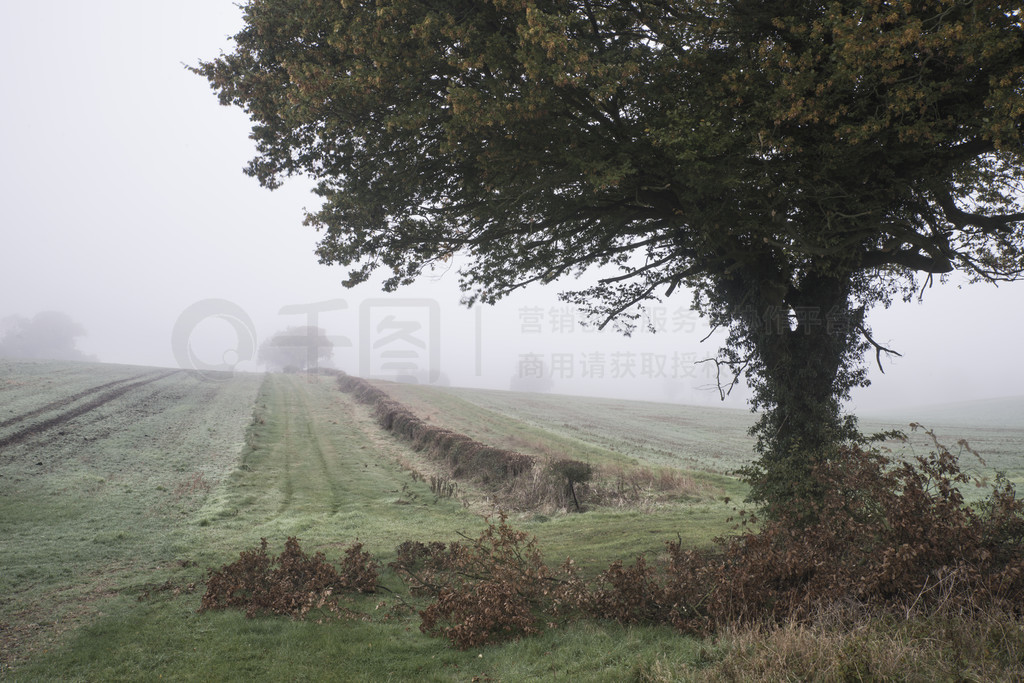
(878, 348)
(737, 373)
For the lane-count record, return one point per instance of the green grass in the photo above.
(322, 470)
(683, 437)
(98, 506)
(169, 641)
(618, 435)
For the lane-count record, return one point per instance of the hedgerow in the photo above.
(515, 477)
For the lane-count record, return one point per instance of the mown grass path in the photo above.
(319, 468)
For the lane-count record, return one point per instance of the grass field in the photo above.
(101, 470)
(684, 437)
(995, 429)
(708, 440)
(121, 486)
(138, 496)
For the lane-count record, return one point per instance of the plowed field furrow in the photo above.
(60, 403)
(73, 412)
(101, 475)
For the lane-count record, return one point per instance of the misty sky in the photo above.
(125, 206)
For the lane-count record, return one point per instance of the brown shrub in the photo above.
(882, 535)
(492, 611)
(629, 595)
(359, 571)
(487, 590)
(898, 538)
(614, 484)
(895, 539)
(292, 583)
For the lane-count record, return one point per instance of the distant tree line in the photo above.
(50, 334)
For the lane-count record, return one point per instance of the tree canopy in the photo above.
(295, 349)
(48, 335)
(790, 163)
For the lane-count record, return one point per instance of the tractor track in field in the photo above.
(324, 453)
(307, 454)
(60, 403)
(107, 393)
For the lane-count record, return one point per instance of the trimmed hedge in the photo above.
(464, 457)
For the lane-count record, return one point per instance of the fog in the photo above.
(125, 208)
(49, 334)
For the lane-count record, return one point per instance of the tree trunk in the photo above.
(807, 360)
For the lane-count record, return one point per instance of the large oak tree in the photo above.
(790, 163)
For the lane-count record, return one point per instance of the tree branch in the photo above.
(878, 348)
(637, 271)
(723, 392)
(632, 302)
(999, 223)
(908, 259)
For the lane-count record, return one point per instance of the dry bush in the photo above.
(416, 562)
(486, 590)
(855, 584)
(358, 570)
(629, 595)
(545, 487)
(497, 587)
(882, 535)
(292, 583)
(492, 612)
(898, 538)
(442, 487)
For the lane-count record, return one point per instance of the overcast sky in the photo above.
(125, 206)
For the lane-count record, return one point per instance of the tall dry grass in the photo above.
(846, 642)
